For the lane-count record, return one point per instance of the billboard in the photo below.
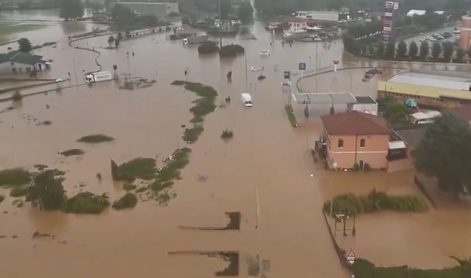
(388, 20)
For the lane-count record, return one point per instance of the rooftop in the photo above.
(421, 12)
(365, 100)
(21, 57)
(355, 123)
(412, 136)
(444, 81)
(463, 112)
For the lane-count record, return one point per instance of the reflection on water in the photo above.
(266, 155)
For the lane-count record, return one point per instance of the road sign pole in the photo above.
(351, 257)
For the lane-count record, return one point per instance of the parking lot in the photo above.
(441, 31)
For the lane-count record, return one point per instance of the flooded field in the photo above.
(263, 172)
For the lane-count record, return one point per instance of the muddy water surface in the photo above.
(266, 156)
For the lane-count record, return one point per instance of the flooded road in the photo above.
(266, 156)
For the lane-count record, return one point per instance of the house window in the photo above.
(340, 143)
(362, 143)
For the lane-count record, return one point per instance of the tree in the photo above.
(24, 45)
(448, 51)
(401, 49)
(46, 191)
(393, 111)
(372, 50)
(245, 12)
(71, 9)
(149, 20)
(116, 42)
(110, 40)
(390, 50)
(226, 9)
(424, 50)
(460, 53)
(436, 50)
(16, 96)
(122, 16)
(186, 20)
(114, 171)
(445, 153)
(413, 50)
(380, 49)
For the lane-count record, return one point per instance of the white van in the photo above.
(247, 100)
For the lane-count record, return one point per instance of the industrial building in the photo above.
(434, 89)
(465, 35)
(157, 9)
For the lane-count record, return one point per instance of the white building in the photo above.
(152, 8)
(332, 16)
(421, 12)
(365, 104)
(17, 62)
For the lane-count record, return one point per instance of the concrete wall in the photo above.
(373, 153)
(8, 68)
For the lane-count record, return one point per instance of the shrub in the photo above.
(138, 168)
(191, 135)
(16, 96)
(367, 167)
(72, 152)
(231, 50)
(227, 134)
(14, 177)
(291, 116)
(95, 138)
(171, 171)
(19, 191)
(208, 47)
(129, 186)
(2, 198)
(129, 200)
(375, 201)
(356, 167)
(87, 203)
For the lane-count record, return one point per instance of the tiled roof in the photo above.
(354, 123)
(463, 112)
(21, 57)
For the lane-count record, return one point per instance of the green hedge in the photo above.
(375, 201)
(364, 269)
(291, 116)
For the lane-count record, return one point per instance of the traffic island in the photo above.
(291, 116)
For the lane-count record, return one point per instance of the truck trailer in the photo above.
(98, 76)
(195, 40)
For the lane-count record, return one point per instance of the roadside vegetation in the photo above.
(291, 116)
(373, 202)
(95, 138)
(365, 269)
(129, 200)
(204, 106)
(72, 152)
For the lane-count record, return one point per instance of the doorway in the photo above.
(362, 165)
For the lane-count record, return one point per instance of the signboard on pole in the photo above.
(351, 257)
(287, 74)
(302, 66)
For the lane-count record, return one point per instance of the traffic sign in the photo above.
(351, 257)
(302, 66)
(287, 74)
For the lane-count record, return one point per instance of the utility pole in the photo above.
(317, 68)
(75, 73)
(220, 24)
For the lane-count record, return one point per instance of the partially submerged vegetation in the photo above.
(129, 186)
(87, 203)
(16, 96)
(95, 138)
(204, 105)
(19, 191)
(15, 177)
(227, 134)
(72, 152)
(138, 168)
(375, 201)
(129, 200)
(291, 116)
(364, 269)
(2, 198)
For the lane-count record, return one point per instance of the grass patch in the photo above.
(171, 172)
(87, 203)
(138, 168)
(203, 106)
(19, 191)
(72, 152)
(9, 30)
(375, 201)
(227, 134)
(2, 198)
(291, 116)
(95, 138)
(129, 186)
(364, 269)
(129, 200)
(14, 177)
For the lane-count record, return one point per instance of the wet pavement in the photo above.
(266, 156)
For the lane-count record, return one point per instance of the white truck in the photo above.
(247, 100)
(194, 40)
(98, 76)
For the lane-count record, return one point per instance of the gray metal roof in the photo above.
(432, 80)
(325, 98)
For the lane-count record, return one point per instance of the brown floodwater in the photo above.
(266, 156)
